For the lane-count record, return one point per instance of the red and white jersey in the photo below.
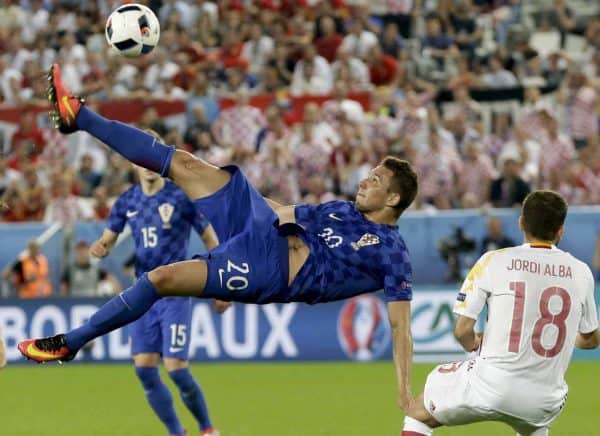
(538, 297)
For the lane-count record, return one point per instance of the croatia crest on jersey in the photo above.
(363, 330)
(365, 240)
(166, 213)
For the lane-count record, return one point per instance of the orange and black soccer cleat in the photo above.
(52, 348)
(66, 105)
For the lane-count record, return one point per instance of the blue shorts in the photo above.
(164, 329)
(251, 263)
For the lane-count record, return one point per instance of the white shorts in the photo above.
(455, 394)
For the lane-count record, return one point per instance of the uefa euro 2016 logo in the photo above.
(363, 330)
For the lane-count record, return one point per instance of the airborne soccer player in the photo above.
(161, 218)
(541, 305)
(269, 253)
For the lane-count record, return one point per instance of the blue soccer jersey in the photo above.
(160, 224)
(349, 255)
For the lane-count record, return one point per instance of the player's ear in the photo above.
(521, 224)
(393, 199)
(560, 233)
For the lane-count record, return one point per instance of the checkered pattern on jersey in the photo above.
(350, 255)
(160, 224)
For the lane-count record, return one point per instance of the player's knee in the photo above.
(149, 376)
(174, 364)
(162, 278)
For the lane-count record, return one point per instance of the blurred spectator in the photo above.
(162, 68)
(435, 43)
(308, 158)
(64, 208)
(33, 195)
(509, 190)
(476, 176)
(391, 42)
(8, 176)
(437, 166)
(237, 127)
(200, 94)
(383, 69)
(351, 69)
(100, 205)
(341, 108)
(30, 275)
(329, 41)
(84, 278)
(464, 27)
(495, 238)
(312, 74)
(359, 41)
(10, 82)
(257, 50)
(88, 179)
(580, 109)
(497, 76)
(557, 148)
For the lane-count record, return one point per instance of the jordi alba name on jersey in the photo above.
(349, 255)
(160, 224)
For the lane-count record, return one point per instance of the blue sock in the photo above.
(134, 144)
(159, 398)
(120, 310)
(192, 396)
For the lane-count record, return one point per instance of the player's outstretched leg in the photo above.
(195, 176)
(191, 394)
(184, 279)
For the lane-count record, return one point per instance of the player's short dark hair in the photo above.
(404, 181)
(544, 212)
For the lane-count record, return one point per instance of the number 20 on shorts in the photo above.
(236, 282)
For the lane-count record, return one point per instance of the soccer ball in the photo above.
(132, 30)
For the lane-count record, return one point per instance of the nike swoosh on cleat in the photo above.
(32, 351)
(65, 101)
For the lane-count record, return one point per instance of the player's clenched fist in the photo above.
(99, 249)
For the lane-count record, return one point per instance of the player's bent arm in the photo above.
(209, 237)
(464, 333)
(588, 341)
(103, 246)
(399, 316)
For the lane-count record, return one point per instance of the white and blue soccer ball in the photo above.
(132, 30)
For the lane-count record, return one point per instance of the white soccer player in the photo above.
(540, 303)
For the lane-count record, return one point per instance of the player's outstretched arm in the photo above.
(588, 341)
(399, 316)
(464, 332)
(103, 246)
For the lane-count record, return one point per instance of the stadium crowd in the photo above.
(419, 67)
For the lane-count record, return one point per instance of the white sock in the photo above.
(411, 424)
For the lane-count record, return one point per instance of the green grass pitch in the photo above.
(289, 399)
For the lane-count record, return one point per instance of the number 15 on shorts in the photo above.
(238, 281)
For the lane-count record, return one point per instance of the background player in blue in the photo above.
(268, 252)
(161, 217)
